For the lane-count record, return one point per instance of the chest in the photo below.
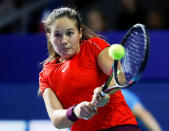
(76, 75)
(74, 81)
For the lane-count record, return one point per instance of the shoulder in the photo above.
(96, 39)
(48, 67)
(96, 42)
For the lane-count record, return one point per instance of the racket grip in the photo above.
(102, 93)
(104, 87)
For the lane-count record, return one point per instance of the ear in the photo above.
(48, 36)
(81, 33)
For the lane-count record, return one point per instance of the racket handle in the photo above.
(105, 86)
(102, 93)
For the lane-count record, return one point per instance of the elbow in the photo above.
(56, 123)
(58, 127)
(59, 123)
(59, 119)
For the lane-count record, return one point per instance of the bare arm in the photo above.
(57, 114)
(147, 118)
(105, 63)
(55, 110)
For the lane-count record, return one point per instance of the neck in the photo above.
(62, 59)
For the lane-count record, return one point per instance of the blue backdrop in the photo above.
(20, 55)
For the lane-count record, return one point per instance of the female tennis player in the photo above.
(72, 76)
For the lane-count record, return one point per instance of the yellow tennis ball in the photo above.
(116, 51)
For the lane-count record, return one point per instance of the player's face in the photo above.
(65, 37)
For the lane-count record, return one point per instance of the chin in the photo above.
(68, 56)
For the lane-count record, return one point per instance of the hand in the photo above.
(98, 100)
(85, 110)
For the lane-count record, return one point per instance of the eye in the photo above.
(70, 33)
(58, 35)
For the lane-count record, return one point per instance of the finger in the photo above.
(95, 104)
(108, 96)
(93, 98)
(93, 108)
(98, 93)
(97, 90)
(87, 114)
(96, 101)
(89, 108)
(101, 101)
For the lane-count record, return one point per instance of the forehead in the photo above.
(63, 23)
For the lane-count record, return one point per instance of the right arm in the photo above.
(57, 114)
(55, 110)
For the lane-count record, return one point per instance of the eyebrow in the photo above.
(69, 29)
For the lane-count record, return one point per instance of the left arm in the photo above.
(105, 63)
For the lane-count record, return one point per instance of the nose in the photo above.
(64, 40)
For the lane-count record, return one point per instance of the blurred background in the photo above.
(23, 47)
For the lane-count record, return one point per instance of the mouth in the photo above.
(66, 48)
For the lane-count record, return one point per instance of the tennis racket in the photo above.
(136, 44)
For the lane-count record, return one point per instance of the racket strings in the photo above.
(135, 53)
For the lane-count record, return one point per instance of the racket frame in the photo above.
(114, 70)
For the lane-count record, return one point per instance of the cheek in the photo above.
(75, 44)
(76, 40)
(56, 46)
